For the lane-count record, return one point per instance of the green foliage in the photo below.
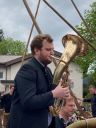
(85, 93)
(90, 18)
(86, 61)
(1, 35)
(93, 80)
(11, 47)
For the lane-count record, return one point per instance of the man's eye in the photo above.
(49, 49)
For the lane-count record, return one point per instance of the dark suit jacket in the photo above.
(32, 96)
(59, 123)
(6, 102)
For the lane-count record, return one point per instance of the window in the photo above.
(1, 75)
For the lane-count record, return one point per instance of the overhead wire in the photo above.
(35, 23)
(38, 5)
(54, 10)
(39, 30)
(85, 23)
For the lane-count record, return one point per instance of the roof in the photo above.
(7, 60)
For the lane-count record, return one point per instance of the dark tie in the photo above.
(63, 124)
(62, 120)
(48, 78)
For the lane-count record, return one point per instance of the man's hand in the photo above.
(60, 92)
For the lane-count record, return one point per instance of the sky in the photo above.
(16, 22)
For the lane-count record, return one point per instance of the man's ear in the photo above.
(36, 50)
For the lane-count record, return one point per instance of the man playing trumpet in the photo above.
(34, 91)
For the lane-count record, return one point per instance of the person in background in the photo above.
(1, 110)
(92, 100)
(34, 91)
(6, 104)
(66, 114)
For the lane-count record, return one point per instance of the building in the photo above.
(9, 65)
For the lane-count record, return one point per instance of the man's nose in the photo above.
(74, 108)
(52, 52)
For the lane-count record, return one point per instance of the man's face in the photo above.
(11, 90)
(69, 108)
(91, 90)
(46, 52)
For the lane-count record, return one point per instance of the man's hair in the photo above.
(37, 41)
(91, 86)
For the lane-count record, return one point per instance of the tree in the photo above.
(11, 47)
(1, 35)
(88, 62)
(90, 18)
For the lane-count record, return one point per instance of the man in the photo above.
(34, 91)
(66, 114)
(6, 99)
(1, 110)
(92, 100)
(6, 104)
